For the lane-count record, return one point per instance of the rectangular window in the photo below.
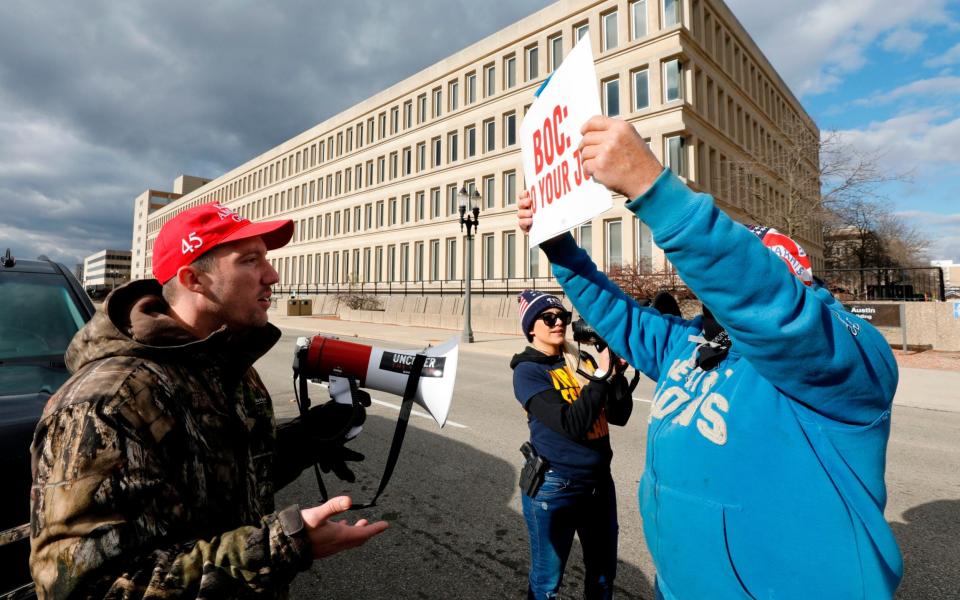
(509, 72)
(585, 238)
(405, 214)
(451, 258)
(533, 259)
(488, 256)
(581, 30)
(435, 259)
(437, 102)
(404, 262)
(418, 261)
(638, 19)
(510, 255)
(470, 88)
(378, 264)
(510, 129)
(391, 262)
(368, 216)
(452, 142)
(383, 126)
(675, 155)
(671, 12)
(533, 62)
(644, 247)
(489, 135)
(609, 27)
(393, 165)
(453, 94)
(611, 97)
(641, 89)
(509, 188)
(451, 199)
(435, 203)
(421, 108)
(555, 44)
(408, 114)
(421, 156)
(437, 152)
(421, 206)
(369, 173)
(489, 197)
(356, 218)
(672, 80)
(381, 169)
(613, 253)
(489, 81)
(369, 133)
(407, 161)
(380, 213)
(469, 142)
(393, 211)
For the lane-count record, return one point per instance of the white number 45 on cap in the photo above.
(190, 243)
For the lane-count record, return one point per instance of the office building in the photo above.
(373, 190)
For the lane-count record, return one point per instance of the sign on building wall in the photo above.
(879, 315)
(549, 136)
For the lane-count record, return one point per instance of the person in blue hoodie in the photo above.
(767, 436)
(568, 418)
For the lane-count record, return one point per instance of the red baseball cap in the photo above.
(196, 231)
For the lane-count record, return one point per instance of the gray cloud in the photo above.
(100, 100)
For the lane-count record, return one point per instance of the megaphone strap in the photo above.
(398, 434)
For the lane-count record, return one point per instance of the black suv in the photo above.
(41, 307)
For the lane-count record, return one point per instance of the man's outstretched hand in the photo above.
(329, 537)
(615, 155)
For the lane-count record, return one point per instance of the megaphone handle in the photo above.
(398, 434)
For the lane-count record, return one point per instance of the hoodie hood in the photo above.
(136, 321)
(531, 354)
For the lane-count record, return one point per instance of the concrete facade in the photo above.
(373, 189)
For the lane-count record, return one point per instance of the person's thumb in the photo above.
(332, 507)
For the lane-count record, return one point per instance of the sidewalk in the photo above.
(929, 389)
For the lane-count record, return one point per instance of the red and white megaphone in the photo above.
(336, 361)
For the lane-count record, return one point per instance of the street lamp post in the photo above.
(472, 221)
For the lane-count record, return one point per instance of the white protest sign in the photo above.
(549, 136)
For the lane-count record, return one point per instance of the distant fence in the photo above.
(915, 284)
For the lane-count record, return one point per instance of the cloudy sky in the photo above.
(100, 100)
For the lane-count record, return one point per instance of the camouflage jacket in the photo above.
(153, 465)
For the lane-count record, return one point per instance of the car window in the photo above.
(38, 315)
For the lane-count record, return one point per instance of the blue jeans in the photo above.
(561, 507)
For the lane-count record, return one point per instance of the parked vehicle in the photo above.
(42, 306)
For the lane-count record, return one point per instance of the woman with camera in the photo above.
(566, 483)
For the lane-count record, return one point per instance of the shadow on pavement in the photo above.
(456, 532)
(931, 550)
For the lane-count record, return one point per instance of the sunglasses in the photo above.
(550, 319)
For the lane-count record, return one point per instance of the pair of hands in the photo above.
(614, 154)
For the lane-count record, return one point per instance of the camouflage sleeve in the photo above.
(107, 521)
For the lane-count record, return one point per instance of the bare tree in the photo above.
(799, 177)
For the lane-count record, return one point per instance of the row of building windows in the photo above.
(426, 105)
(722, 46)
(438, 259)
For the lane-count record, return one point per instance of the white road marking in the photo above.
(396, 407)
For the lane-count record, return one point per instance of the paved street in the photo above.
(456, 526)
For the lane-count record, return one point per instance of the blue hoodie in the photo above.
(764, 476)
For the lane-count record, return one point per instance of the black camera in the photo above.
(583, 333)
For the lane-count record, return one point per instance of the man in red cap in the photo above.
(155, 465)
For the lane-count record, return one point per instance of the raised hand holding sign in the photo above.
(561, 195)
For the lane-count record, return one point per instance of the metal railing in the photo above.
(912, 284)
